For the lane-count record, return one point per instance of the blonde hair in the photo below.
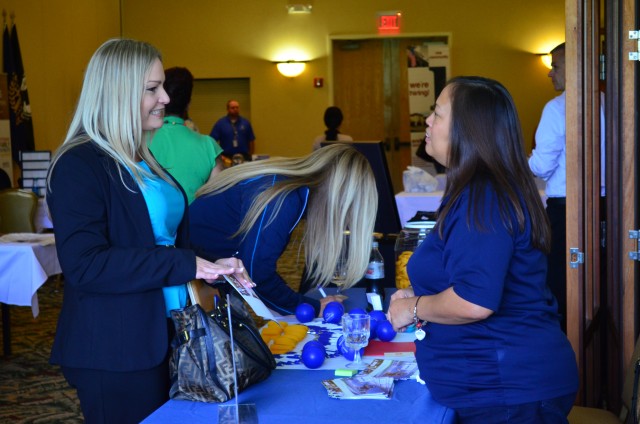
(342, 197)
(108, 110)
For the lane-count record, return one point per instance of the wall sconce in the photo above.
(291, 68)
(546, 59)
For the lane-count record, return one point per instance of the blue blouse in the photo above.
(518, 354)
(166, 208)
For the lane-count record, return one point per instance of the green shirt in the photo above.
(189, 156)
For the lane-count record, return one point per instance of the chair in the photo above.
(17, 211)
(202, 294)
(585, 415)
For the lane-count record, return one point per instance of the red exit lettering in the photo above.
(388, 22)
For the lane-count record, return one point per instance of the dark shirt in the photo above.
(215, 218)
(225, 132)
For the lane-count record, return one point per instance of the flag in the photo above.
(19, 108)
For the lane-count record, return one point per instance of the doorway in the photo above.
(602, 311)
(372, 85)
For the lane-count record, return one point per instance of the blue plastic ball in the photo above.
(313, 357)
(346, 351)
(385, 331)
(305, 312)
(333, 312)
(373, 326)
(378, 315)
(357, 311)
(313, 344)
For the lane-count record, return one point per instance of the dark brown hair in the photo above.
(178, 84)
(487, 150)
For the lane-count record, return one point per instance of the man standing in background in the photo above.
(234, 133)
(548, 162)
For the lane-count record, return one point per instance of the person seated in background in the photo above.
(251, 209)
(190, 157)
(332, 119)
(489, 342)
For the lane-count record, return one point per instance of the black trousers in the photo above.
(557, 272)
(119, 397)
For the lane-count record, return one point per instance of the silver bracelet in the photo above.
(420, 333)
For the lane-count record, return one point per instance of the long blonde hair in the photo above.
(342, 197)
(108, 111)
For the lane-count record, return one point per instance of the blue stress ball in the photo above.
(345, 351)
(313, 344)
(305, 312)
(377, 315)
(357, 311)
(313, 357)
(385, 331)
(375, 318)
(373, 326)
(333, 312)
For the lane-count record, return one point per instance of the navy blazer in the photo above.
(113, 315)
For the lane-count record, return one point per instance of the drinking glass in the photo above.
(356, 329)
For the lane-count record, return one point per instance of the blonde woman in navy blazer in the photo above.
(109, 200)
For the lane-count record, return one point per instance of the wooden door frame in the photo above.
(585, 311)
(627, 107)
(611, 322)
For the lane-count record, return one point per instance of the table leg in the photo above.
(6, 329)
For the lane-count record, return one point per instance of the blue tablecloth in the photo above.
(294, 396)
(297, 396)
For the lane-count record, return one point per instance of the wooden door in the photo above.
(623, 173)
(371, 88)
(601, 305)
(361, 75)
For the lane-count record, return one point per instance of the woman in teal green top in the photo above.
(192, 158)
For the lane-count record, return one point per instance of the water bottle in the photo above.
(375, 280)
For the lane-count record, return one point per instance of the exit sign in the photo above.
(389, 21)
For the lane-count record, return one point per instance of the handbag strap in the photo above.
(208, 340)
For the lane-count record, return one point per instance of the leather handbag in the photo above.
(201, 366)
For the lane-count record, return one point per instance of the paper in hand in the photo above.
(251, 298)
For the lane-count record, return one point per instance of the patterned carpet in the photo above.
(31, 390)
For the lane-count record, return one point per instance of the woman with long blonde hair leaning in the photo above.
(253, 208)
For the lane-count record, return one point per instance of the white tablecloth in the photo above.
(410, 203)
(25, 266)
(42, 220)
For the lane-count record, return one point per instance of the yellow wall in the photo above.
(57, 39)
(216, 39)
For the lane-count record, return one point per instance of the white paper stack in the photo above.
(398, 370)
(359, 387)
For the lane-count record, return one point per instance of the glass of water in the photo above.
(356, 329)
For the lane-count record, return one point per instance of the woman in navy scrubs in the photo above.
(489, 343)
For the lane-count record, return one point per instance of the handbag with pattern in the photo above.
(201, 365)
